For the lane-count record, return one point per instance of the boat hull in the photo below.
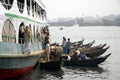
(15, 66)
(10, 73)
(52, 65)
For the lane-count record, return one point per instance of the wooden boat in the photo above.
(92, 53)
(15, 15)
(96, 53)
(87, 45)
(78, 43)
(51, 65)
(92, 48)
(88, 62)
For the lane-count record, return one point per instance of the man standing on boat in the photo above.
(27, 38)
(47, 51)
(68, 45)
(64, 45)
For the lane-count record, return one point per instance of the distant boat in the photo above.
(76, 24)
(61, 28)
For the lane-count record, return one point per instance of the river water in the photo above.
(108, 70)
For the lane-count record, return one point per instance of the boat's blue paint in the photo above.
(13, 48)
(18, 62)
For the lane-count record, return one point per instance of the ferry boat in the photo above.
(61, 28)
(14, 15)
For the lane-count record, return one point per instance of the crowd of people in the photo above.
(25, 37)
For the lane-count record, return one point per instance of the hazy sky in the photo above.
(78, 8)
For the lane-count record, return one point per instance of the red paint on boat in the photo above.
(10, 73)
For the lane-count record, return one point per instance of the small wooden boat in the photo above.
(87, 45)
(78, 43)
(100, 47)
(51, 65)
(88, 62)
(96, 53)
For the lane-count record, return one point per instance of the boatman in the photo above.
(68, 45)
(64, 45)
(47, 51)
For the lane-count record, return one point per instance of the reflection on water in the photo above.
(46, 74)
(67, 73)
(38, 74)
(89, 73)
(98, 69)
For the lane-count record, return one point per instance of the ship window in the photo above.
(42, 13)
(37, 10)
(7, 4)
(8, 32)
(28, 7)
(20, 4)
(33, 8)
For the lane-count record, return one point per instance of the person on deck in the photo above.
(21, 35)
(68, 45)
(38, 35)
(27, 39)
(64, 45)
(43, 39)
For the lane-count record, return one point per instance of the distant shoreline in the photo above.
(111, 20)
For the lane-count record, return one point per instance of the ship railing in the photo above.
(33, 12)
(34, 46)
(20, 5)
(21, 40)
(6, 5)
(9, 39)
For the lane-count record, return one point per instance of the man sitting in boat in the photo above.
(83, 56)
(74, 55)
